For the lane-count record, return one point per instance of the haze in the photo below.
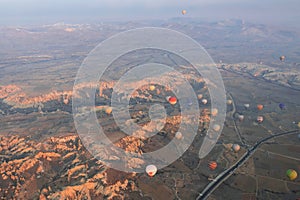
(18, 12)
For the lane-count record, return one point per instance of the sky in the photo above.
(48, 11)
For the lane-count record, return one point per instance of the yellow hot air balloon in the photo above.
(183, 12)
(298, 124)
(151, 170)
(152, 87)
(292, 174)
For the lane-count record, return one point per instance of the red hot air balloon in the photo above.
(260, 107)
(172, 100)
(212, 165)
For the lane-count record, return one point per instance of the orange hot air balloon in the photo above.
(212, 165)
(108, 110)
(172, 100)
(260, 107)
(183, 12)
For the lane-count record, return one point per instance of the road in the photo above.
(227, 173)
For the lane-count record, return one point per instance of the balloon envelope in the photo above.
(292, 174)
(172, 100)
(152, 87)
(200, 96)
(214, 112)
(212, 165)
(281, 106)
(183, 12)
(260, 119)
(108, 110)
(241, 117)
(260, 107)
(151, 170)
(236, 147)
(282, 58)
(229, 102)
(216, 127)
(247, 105)
(178, 135)
(204, 101)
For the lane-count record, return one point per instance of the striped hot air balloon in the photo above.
(212, 165)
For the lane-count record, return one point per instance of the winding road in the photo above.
(227, 173)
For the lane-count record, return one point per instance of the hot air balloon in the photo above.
(152, 87)
(212, 165)
(214, 112)
(200, 96)
(229, 102)
(178, 135)
(204, 101)
(108, 110)
(282, 58)
(183, 12)
(292, 174)
(298, 124)
(281, 106)
(260, 119)
(260, 107)
(246, 105)
(216, 127)
(151, 170)
(236, 147)
(241, 117)
(172, 100)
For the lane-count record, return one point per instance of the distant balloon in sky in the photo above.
(281, 106)
(216, 127)
(229, 102)
(236, 147)
(260, 107)
(172, 100)
(108, 110)
(282, 58)
(178, 135)
(292, 174)
(212, 165)
(241, 117)
(152, 87)
(183, 12)
(246, 105)
(214, 112)
(151, 170)
(260, 119)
